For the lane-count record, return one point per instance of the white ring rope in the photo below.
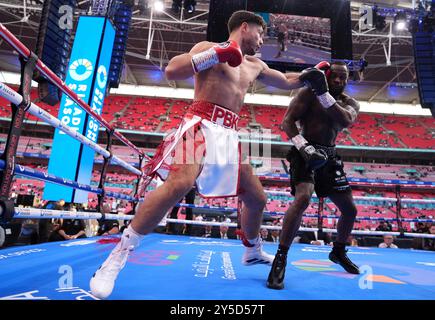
(359, 232)
(32, 213)
(38, 112)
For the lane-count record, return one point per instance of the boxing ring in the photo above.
(168, 267)
(189, 268)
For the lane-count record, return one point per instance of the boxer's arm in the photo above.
(295, 111)
(278, 79)
(79, 234)
(345, 113)
(314, 158)
(180, 67)
(63, 234)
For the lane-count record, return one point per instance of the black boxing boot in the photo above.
(338, 255)
(277, 273)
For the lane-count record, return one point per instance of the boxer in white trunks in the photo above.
(223, 73)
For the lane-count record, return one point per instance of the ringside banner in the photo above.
(87, 76)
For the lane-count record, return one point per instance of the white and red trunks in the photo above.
(217, 146)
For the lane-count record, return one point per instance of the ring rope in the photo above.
(50, 75)
(32, 213)
(40, 175)
(359, 232)
(16, 99)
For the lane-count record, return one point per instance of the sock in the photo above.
(282, 249)
(130, 238)
(254, 241)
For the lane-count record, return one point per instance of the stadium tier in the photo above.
(161, 114)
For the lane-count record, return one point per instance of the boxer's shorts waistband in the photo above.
(214, 113)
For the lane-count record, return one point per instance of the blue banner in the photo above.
(392, 181)
(97, 103)
(283, 176)
(67, 154)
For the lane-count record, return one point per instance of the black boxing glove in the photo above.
(314, 158)
(316, 79)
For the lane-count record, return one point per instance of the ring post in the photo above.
(106, 162)
(9, 154)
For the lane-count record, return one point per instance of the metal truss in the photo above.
(153, 34)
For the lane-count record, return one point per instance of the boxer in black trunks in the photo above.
(322, 111)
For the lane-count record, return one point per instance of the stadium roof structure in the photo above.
(389, 77)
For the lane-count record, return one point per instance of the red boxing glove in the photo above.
(323, 65)
(228, 51)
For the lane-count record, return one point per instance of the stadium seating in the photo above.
(147, 114)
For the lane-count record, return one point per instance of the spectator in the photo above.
(29, 231)
(107, 227)
(47, 226)
(264, 234)
(274, 236)
(429, 243)
(125, 225)
(388, 242)
(224, 232)
(199, 218)
(207, 231)
(69, 229)
(318, 238)
(126, 222)
(384, 226)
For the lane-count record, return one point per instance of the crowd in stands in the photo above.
(125, 184)
(43, 146)
(390, 171)
(161, 114)
(34, 231)
(67, 229)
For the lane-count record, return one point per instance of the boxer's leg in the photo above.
(346, 205)
(344, 202)
(293, 215)
(254, 200)
(149, 213)
(291, 224)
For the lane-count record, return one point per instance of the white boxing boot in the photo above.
(103, 280)
(255, 254)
